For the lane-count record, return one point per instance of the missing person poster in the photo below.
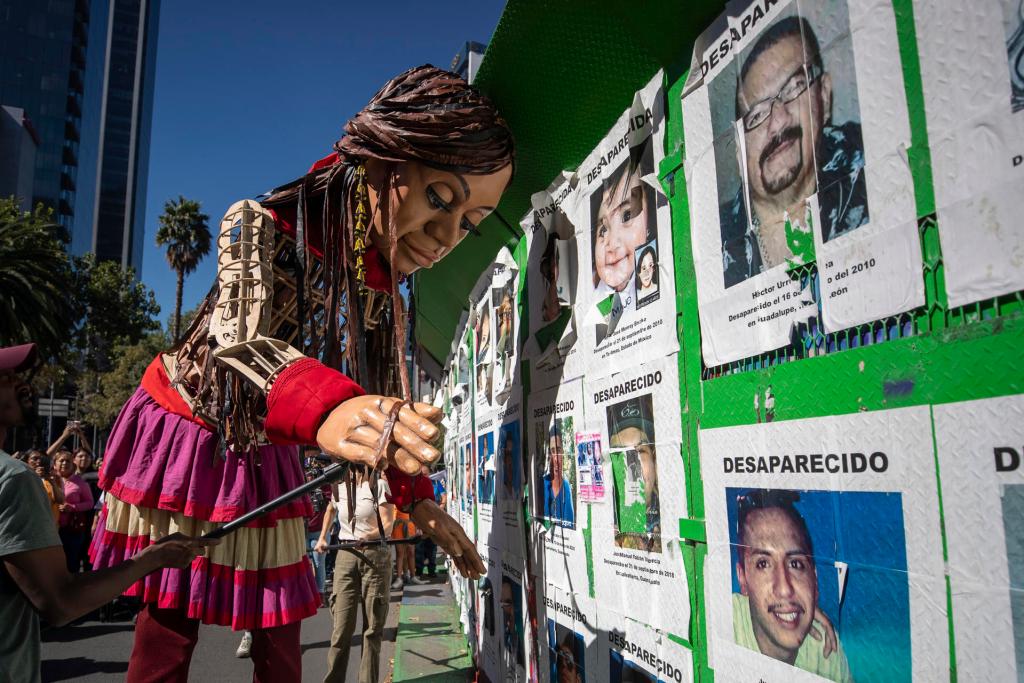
(824, 549)
(551, 274)
(555, 415)
(511, 475)
(486, 477)
(635, 653)
(981, 467)
(457, 365)
(451, 462)
(974, 99)
(503, 293)
(489, 619)
(483, 351)
(796, 132)
(463, 396)
(570, 628)
(459, 590)
(626, 277)
(514, 644)
(468, 475)
(590, 467)
(462, 475)
(636, 415)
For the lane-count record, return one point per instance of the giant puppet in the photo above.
(307, 282)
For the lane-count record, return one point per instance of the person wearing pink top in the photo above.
(74, 512)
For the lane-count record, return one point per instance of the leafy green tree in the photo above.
(117, 310)
(102, 394)
(84, 315)
(186, 235)
(186, 321)
(35, 301)
(115, 314)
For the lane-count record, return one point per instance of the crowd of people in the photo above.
(70, 482)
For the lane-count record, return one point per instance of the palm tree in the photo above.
(36, 303)
(183, 230)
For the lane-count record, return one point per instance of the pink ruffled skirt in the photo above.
(162, 474)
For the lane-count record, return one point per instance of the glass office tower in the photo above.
(42, 71)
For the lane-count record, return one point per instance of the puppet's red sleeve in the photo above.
(301, 398)
(406, 489)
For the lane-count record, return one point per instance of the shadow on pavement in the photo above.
(67, 634)
(451, 677)
(77, 667)
(315, 646)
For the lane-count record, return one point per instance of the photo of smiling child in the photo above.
(623, 217)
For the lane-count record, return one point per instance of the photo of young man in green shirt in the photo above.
(777, 606)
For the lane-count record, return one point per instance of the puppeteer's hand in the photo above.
(831, 644)
(353, 429)
(176, 551)
(446, 532)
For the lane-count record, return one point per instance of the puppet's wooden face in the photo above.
(436, 210)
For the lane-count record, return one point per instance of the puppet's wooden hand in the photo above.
(353, 430)
(448, 533)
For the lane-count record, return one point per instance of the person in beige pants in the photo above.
(360, 581)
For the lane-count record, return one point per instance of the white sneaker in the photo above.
(397, 584)
(245, 646)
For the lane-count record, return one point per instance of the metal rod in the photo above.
(348, 545)
(330, 475)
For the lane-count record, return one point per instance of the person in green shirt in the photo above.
(777, 606)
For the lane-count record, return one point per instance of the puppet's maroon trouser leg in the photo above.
(276, 654)
(164, 641)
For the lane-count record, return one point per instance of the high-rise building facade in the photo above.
(18, 143)
(82, 71)
(118, 220)
(42, 71)
(467, 61)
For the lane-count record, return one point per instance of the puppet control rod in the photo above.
(351, 545)
(330, 475)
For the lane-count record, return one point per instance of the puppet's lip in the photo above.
(423, 257)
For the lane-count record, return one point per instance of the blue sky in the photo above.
(249, 94)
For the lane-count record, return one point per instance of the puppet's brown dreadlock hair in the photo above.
(424, 115)
(433, 117)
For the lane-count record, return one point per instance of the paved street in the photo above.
(431, 646)
(96, 652)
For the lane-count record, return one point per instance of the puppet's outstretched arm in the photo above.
(304, 397)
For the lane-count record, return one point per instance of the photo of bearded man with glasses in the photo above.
(789, 147)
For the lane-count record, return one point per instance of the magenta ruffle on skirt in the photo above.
(162, 474)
